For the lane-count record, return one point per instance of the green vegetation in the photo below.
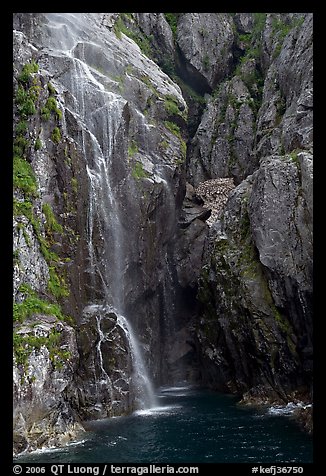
(21, 226)
(51, 89)
(172, 107)
(25, 103)
(32, 304)
(56, 135)
(140, 39)
(24, 178)
(51, 106)
(259, 24)
(24, 345)
(74, 185)
(183, 146)
(132, 148)
(20, 145)
(206, 63)
(172, 19)
(252, 41)
(174, 128)
(38, 144)
(146, 80)
(51, 224)
(21, 127)
(57, 284)
(280, 29)
(27, 71)
(294, 156)
(167, 65)
(15, 256)
(138, 171)
(23, 175)
(164, 145)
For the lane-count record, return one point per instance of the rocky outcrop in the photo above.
(256, 285)
(45, 361)
(205, 42)
(249, 330)
(215, 194)
(285, 118)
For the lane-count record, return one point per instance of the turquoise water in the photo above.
(190, 426)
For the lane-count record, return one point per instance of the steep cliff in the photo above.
(110, 205)
(256, 285)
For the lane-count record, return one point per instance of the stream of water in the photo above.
(188, 426)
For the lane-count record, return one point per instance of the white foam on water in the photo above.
(164, 410)
(176, 388)
(287, 409)
(52, 449)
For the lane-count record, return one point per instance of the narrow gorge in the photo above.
(162, 213)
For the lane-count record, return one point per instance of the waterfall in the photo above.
(99, 115)
(141, 380)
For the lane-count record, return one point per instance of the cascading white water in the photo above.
(99, 114)
(142, 382)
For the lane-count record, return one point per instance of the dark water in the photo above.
(191, 427)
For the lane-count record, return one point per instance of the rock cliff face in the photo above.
(110, 208)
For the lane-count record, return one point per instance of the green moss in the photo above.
(171, 106)
(45, 114)
(34, 92)
(21, 127)
(132, 148)
(138, 171)
(38, 144)
(51, 224)
(117, 28)
(280, 29)
(34, 305)
(51, 89)
(74, 185)
(172, 19)
(51, 107)
(28, 69)
(50, 256)
(174, 128)
(23, 177)
(15, 256)
(294, 156)
(57, 284)
(56, 135)
(27, 108)
(206, 63)
(26, 238)
(23, 208)
(183, 147)
(164, 145)
(24, 345)
(259, 25)
(146, 80)
(25, 98)
(20, 145)
(142, 40)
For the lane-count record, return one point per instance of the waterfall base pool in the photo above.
(189, 426)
